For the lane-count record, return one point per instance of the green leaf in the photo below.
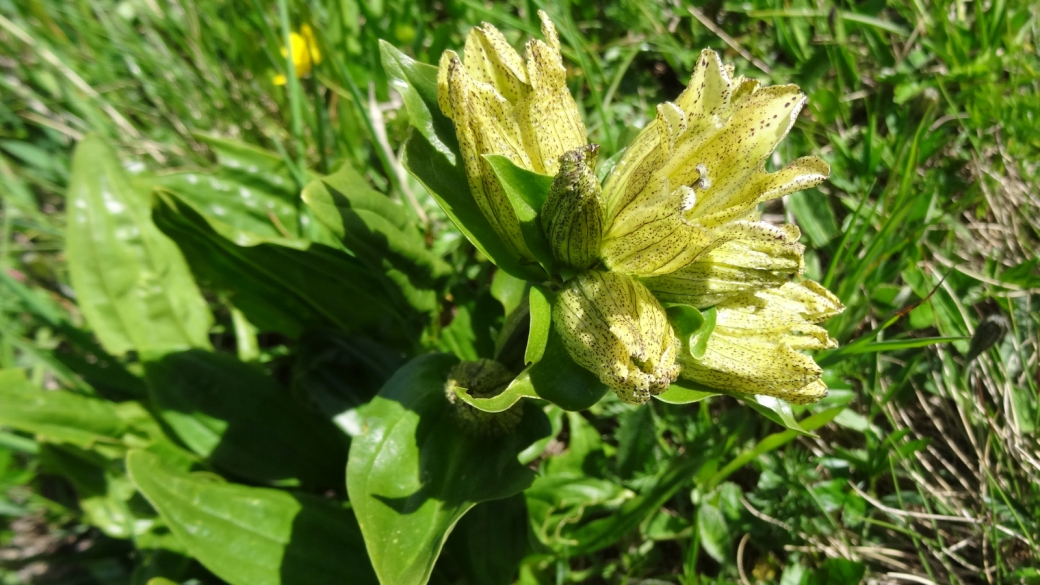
(254, 536)
(415, 472)
(526, 191)
(240, 421)
(508, 290)
(374, 229)
(339, 372)
(557, 503)
(686, 392)
(242, 208)
(252, 165)
(636, 440)
(102, 489)
(603, 532)
(814, 214)
(58, 416)
(541, 323)
(286, 285)
(837, 572)
(555, 378)
(488, 543)
(431, 155)
(417, 84)
(131, 282)
(692, 327)
(714, 534)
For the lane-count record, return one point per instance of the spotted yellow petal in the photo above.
(612, 326)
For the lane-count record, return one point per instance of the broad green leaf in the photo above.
(555, 378)
(242, 207)
(417, 84)
(431, 155)
(254, 536)
(240, 421)
(339, 372)
(132, 283)
(508, 290)
(526, 191)
(692, 327)
(285, 285)
(372, 228)
(414, 472)
(57, 416)
(541, 323)
(488, 543)
(103, 490)
(253, 166)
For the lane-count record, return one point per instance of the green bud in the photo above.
(572, 215)
(614, 327)
(481, 379)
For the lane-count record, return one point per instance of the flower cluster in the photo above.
(674, 223)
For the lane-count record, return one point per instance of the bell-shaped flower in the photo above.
(572, 216)
(753, 256)
(614, 327)
(516, 107)
(756, 344)
(698, 166)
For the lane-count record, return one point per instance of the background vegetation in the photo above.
(927, 111)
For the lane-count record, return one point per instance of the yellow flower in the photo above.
(699, 166)
(755, 346)
(612, 326)
(304, 51)
(758, 256)
(516, 107)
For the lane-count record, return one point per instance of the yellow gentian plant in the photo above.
(672, 237)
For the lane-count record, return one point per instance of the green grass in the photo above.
(928, 113)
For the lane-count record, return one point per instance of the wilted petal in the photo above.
(612, 326)
(754, 347)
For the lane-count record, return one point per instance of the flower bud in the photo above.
(612, 326)
(755, 256)
(481, 379)
(754, 348)
(699, 166)
(518, 108)
(572, 216)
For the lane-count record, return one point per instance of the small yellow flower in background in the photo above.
(305, 54)
(699, 166)
(612, 326)
(755, 346)
(517, 107)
